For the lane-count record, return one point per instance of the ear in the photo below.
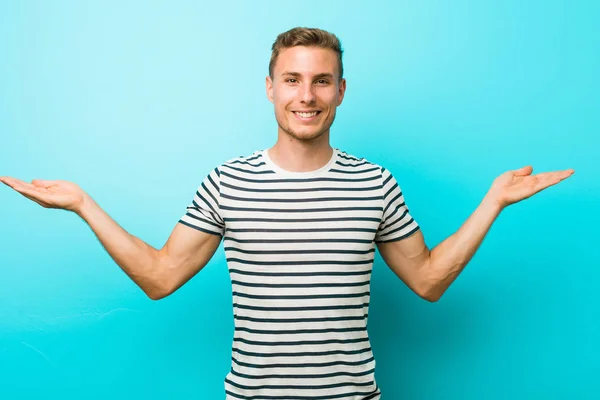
(269, 84)
(341, 91)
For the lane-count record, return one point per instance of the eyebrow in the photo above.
(297, 74)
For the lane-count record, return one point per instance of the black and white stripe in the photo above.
(300, 248)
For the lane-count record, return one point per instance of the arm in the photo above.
(430, 273)
(157, 272)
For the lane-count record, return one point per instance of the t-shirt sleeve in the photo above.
(396, 222)
(203, 213)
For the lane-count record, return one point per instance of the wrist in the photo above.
(84, 207)
(492, 204)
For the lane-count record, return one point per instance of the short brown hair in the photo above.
(306, 37)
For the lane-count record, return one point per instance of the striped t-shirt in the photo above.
(300, 248)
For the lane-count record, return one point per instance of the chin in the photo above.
(301, 132)
(304, 135)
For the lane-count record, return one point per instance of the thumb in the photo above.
(43, 183)
(527, 170)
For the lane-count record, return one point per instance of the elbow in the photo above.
(434, 282)
(431, 289)
(431, 294)
(431, 297)
(160, 283)
(156, 295)
(158, 290)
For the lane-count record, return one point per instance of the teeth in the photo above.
(306, 115)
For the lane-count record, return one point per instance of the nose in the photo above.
(308, 94)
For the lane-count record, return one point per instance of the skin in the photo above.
(304, 78)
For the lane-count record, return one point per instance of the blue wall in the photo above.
(136, 102)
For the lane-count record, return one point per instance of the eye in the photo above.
(322, 81)
(290, 80)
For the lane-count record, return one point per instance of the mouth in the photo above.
(306, 116)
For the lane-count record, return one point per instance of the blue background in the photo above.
(136, 101)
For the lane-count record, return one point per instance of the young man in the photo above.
(300, 223)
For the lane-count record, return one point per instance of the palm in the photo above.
(49, 194)
(514, 186)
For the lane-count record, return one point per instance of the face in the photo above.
(305, 90)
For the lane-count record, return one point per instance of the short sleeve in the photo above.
(203, 213)
(396, 222)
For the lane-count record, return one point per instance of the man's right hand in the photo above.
(49, 194)
(157, 272)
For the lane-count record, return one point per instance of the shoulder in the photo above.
(349, 160)
(353, 163)
(246, 163)
(252, 158)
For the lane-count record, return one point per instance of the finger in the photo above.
(29, 191)
(568, 172)
(43, 183)
(23, 190)
(21, 185)
(7, 180)
(547, 179)
(555, 176)
(12, 182)
(527, 170)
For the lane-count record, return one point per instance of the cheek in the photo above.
(281, 105)
(284, 95)
(329, 97)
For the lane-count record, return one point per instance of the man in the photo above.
(300, 222)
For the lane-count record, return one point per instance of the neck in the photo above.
(296, 155)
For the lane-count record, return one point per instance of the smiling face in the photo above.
(305, 90)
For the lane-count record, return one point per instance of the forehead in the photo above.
(306, 60)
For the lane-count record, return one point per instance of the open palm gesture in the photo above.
(514, 186)
(49, 194)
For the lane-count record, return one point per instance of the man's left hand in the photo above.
(514, 186)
